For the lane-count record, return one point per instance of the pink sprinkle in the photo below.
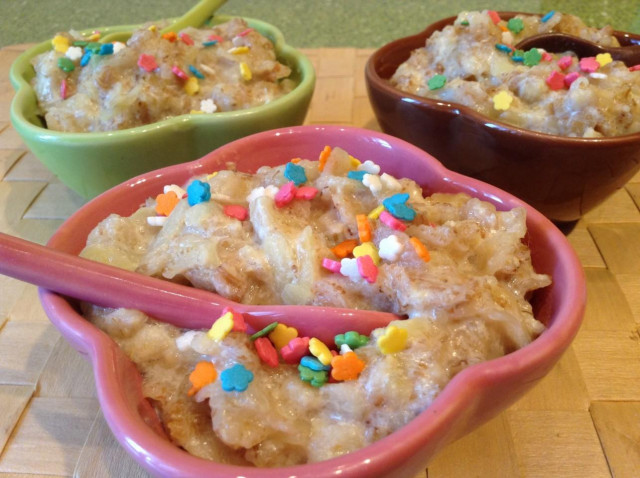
(239, 325)
(217, 38)
(266, 351)
(295, 349)
(634, 67)
(236, 211)
(494, 16)
(179, 73)
(147, 62)
(330, 264)
(186, 38)
(245, 32)
(570, 78)
(306, 192)
(565, 62)
(63, 89)
(589, 64)
(546, 56)
(391, 221)
(367, 268)
(555, 80)
(285, 194)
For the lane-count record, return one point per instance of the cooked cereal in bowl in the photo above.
(312, 225)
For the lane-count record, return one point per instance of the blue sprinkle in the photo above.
(547, 16)
(357, 175)
(518, 56)
(504, 48)
(198, 192)
(295, 173)
(236, 378)
(196, 72)
(210, 43)
(313, 363)
(398, 198)
(106, 49)
(396, 206)
(84, 61)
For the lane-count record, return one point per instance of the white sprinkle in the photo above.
(370, 167)
(208, 106)
(373, 182)
(269, 191)
(207, 69)
(389, 182)
(184, 341)
(344, 348)
(176, 189)
(156, 220)
(390, 248)
(349, 268)
(507, 38)
(118, 46)
(74, 53)
(598, 76)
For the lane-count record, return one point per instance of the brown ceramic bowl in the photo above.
(562, 177)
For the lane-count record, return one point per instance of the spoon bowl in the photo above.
(561, 42)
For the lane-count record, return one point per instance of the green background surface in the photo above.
(305, 23)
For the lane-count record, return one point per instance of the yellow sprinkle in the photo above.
(60, 43)
(320, 351)
(393, 340)
(152, 28)
(196, 112)
(502, 101)
(191, 86)
(375, 214)
(221, 327)
(367, 249)
(212, 175)
(238, 50)
(354, 162)
(604, 59)
(94, 37)
(282, 335)
(245, 71)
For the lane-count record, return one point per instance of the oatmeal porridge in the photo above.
(473, 62)
(328, 232)
(85, 86)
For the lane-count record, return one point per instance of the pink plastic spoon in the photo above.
(180, 305)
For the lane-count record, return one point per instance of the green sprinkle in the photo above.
(94, 47)
(436, 82)
(267, 330)
(352, 338)
(532, 57)
(516, 25)
(518, 56)
(465, 23)
(66, 65)
(81, 43)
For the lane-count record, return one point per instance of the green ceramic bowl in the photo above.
(90, 163)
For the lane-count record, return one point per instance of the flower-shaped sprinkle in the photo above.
(236, 211)
(555, 80)
(306, 192)
(565, 62)
(502, 100)
(221, 327)
(390, 248)
(236, 378)
(285, 194)
(352, 338)
(349, 268)
(147, 62)
(60, 43)
(319, 350)
(369, 166)
(589, 64)
(367, 268)
(198, 192)
(295, 350)
(604, 59)
(166, 202)
(317, 378)
(532, 57)
(373, 182)
(346, 367)
(516, 25)
(367, 249)
(394, 339)
(282, 335)
(436, 82)
(203, 374)
(295, 173)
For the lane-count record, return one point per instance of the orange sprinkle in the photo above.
(420, 249)
(204, 374)
(345, 248)
(171, 36)
(346, 367)
(364, 228)
(503, 28)
(323, 157)
(165, 203)
(296, 160)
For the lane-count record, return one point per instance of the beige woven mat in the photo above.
(583, 420)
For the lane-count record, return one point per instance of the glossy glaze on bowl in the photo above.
(91, 163)
(471, 398)
(562, 177)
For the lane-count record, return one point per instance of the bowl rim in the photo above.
(375, 80)
(24, 101)
(160, 456)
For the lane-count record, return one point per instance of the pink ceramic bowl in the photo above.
(471, 398)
